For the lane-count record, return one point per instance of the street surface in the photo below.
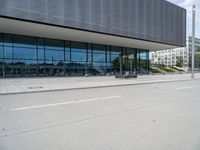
(160, 116)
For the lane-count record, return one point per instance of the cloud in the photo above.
(187, 4)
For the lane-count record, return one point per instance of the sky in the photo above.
(187, 4)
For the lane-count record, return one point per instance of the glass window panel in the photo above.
(108, 53)
(8, 61)
(78, 56)
(99, 53)
(1, 39)
(99, 69)
(78, 51)
(130, 51)
(41, 54)
(115, 50)
(41, 43)
(53, 55)
(8, 67)
(114, 57)
(60, 63)
(24, 53)
(24, 41)
(77, 46)
(8, 40)
(67, 51)
(1, 67)
(89, 52)
(99, 48)
(54, 44)
(24, 62)
(1, 51)
(8, 52)
(98, 57)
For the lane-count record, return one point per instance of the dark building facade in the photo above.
(77, 37)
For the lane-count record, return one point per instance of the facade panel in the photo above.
(151, 20)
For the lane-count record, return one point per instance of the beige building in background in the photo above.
(176, 57)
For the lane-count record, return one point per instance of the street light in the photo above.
(193, 40)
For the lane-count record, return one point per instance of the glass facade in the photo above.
(25, 56)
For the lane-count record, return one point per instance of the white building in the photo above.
(175, 57)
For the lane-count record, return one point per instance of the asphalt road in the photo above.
(141, 117)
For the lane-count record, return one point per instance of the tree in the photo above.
(198, 49)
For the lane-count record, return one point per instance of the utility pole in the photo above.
(193, 40)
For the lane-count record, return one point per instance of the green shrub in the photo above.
(154, 70)
(178, 69)
(167, 69)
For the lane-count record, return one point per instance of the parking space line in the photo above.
(64, 103)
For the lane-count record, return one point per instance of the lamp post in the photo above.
(193, 40)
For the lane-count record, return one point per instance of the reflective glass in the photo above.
(1, 51)
(41, 43)
(1, 39)
(89, 53)
(53, 55)
(24, 41)
(99, 57)
(99, 48)
(78, 51)
(8, 52)
(8, 67)
(7, 40)
(54, 44)
(41, 54)
(99, 69)
(99, 53)
(24, 68)
(1, 67)
(55, 58)
(67, 51)
(78, 56)
(24, 53)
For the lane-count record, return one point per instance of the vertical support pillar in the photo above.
(193, 41)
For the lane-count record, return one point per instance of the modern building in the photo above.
(197, 52)
(78, 37)
(170, 57)
(181, 57)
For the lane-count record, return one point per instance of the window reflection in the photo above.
(53, 55)
(24, 53)
(1, 51)
(31, 56)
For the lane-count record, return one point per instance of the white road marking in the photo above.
(187, 87)
(64, 103)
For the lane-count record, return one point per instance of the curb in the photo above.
(91, 87)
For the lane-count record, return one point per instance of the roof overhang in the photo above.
(14, 26)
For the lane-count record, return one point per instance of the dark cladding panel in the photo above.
(154, 20)
(184, 27)
(115, 14)
(125, 17)
(83, 13)
(95, 15)
(3, 4)
(134, 13)
(38, 7)
(54, 11)
(106, 16)
(70, 13)
(19, 4)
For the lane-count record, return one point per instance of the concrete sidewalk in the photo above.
(25, 85)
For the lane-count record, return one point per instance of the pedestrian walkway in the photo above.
(23, 85)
